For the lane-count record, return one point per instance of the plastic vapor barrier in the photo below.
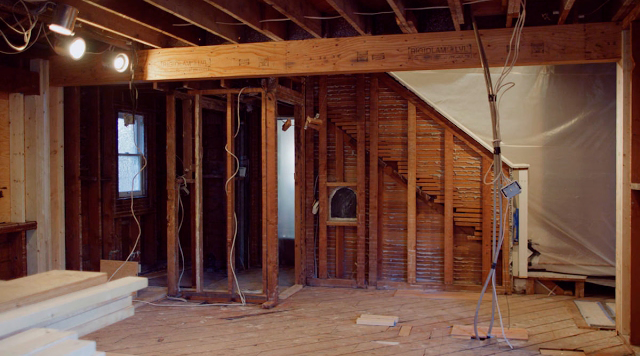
(561, 121)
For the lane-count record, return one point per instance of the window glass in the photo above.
(131, 150)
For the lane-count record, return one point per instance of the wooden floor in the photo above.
(321, 321)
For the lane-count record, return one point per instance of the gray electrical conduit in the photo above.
(497, 240)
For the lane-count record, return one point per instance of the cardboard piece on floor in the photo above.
(466, 331)
(438, 295)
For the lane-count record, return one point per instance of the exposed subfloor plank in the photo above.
(323, 321)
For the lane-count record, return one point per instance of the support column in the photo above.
(230, 193)
(172, 199)
(361, 173)
(411, 194)
(198, 195)
(373, 182)
(448, 207)
(322, 181)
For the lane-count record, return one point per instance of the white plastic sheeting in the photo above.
(561, 121)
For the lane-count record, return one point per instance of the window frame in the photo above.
(140, 134)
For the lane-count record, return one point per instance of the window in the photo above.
(131, 150)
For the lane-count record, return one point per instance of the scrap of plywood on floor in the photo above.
(467, 331)
(405, 330)
(290, 291)
(595, 315)
(377, 320)
(612, 308)
(43, 286)
(555, 352)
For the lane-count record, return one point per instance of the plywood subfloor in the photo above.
(321, 321)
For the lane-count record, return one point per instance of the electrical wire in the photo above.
(499, 176)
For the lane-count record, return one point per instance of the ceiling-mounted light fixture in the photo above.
(73, 47)
(116, 60)
(64, 19)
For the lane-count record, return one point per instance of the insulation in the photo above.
(561, 121)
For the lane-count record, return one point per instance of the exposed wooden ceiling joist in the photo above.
(566, 9)
(245, 12)
(623, 10)
(151, 17)
(513, 11)
(203, 15)
(457, 13)
(406, 20)
(348, 9)
(302, 13)
(542, 45)
(118, 25)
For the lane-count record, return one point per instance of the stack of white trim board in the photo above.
(80, 302)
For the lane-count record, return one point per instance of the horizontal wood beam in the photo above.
(203, 15)
(548, 45)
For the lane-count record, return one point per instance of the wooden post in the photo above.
(487, 211)
(411, 194)
(300, 195)
(361, 173)
(271, 206)
(380, 203)
(73, 186)
(448, 207)
(16, 152)
(172, 214)
(230, 192)
(373, 182)
(56, 109)
(322, 180)
(632, 265)
(340, 178)
(112, 248)
(523, 223)
(310, 178)
(625, 69)
(37, 168)
(198, 196)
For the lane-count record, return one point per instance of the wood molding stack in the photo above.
(82, 302)
(48, 342)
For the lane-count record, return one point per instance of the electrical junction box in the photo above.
(511, 190)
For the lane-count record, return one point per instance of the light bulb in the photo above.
(121, 62)
(77, 48)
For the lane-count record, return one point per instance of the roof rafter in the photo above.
(405, 19)
(623, 10)
(566, 9)
(245, 12)
(302, 13)
(457, 13)
(513, 11)
(118, 25)
(348, 9)
(151, 17)
(203, 15)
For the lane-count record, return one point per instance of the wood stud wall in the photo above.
(439, 239)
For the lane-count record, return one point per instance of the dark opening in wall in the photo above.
(343, 204)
